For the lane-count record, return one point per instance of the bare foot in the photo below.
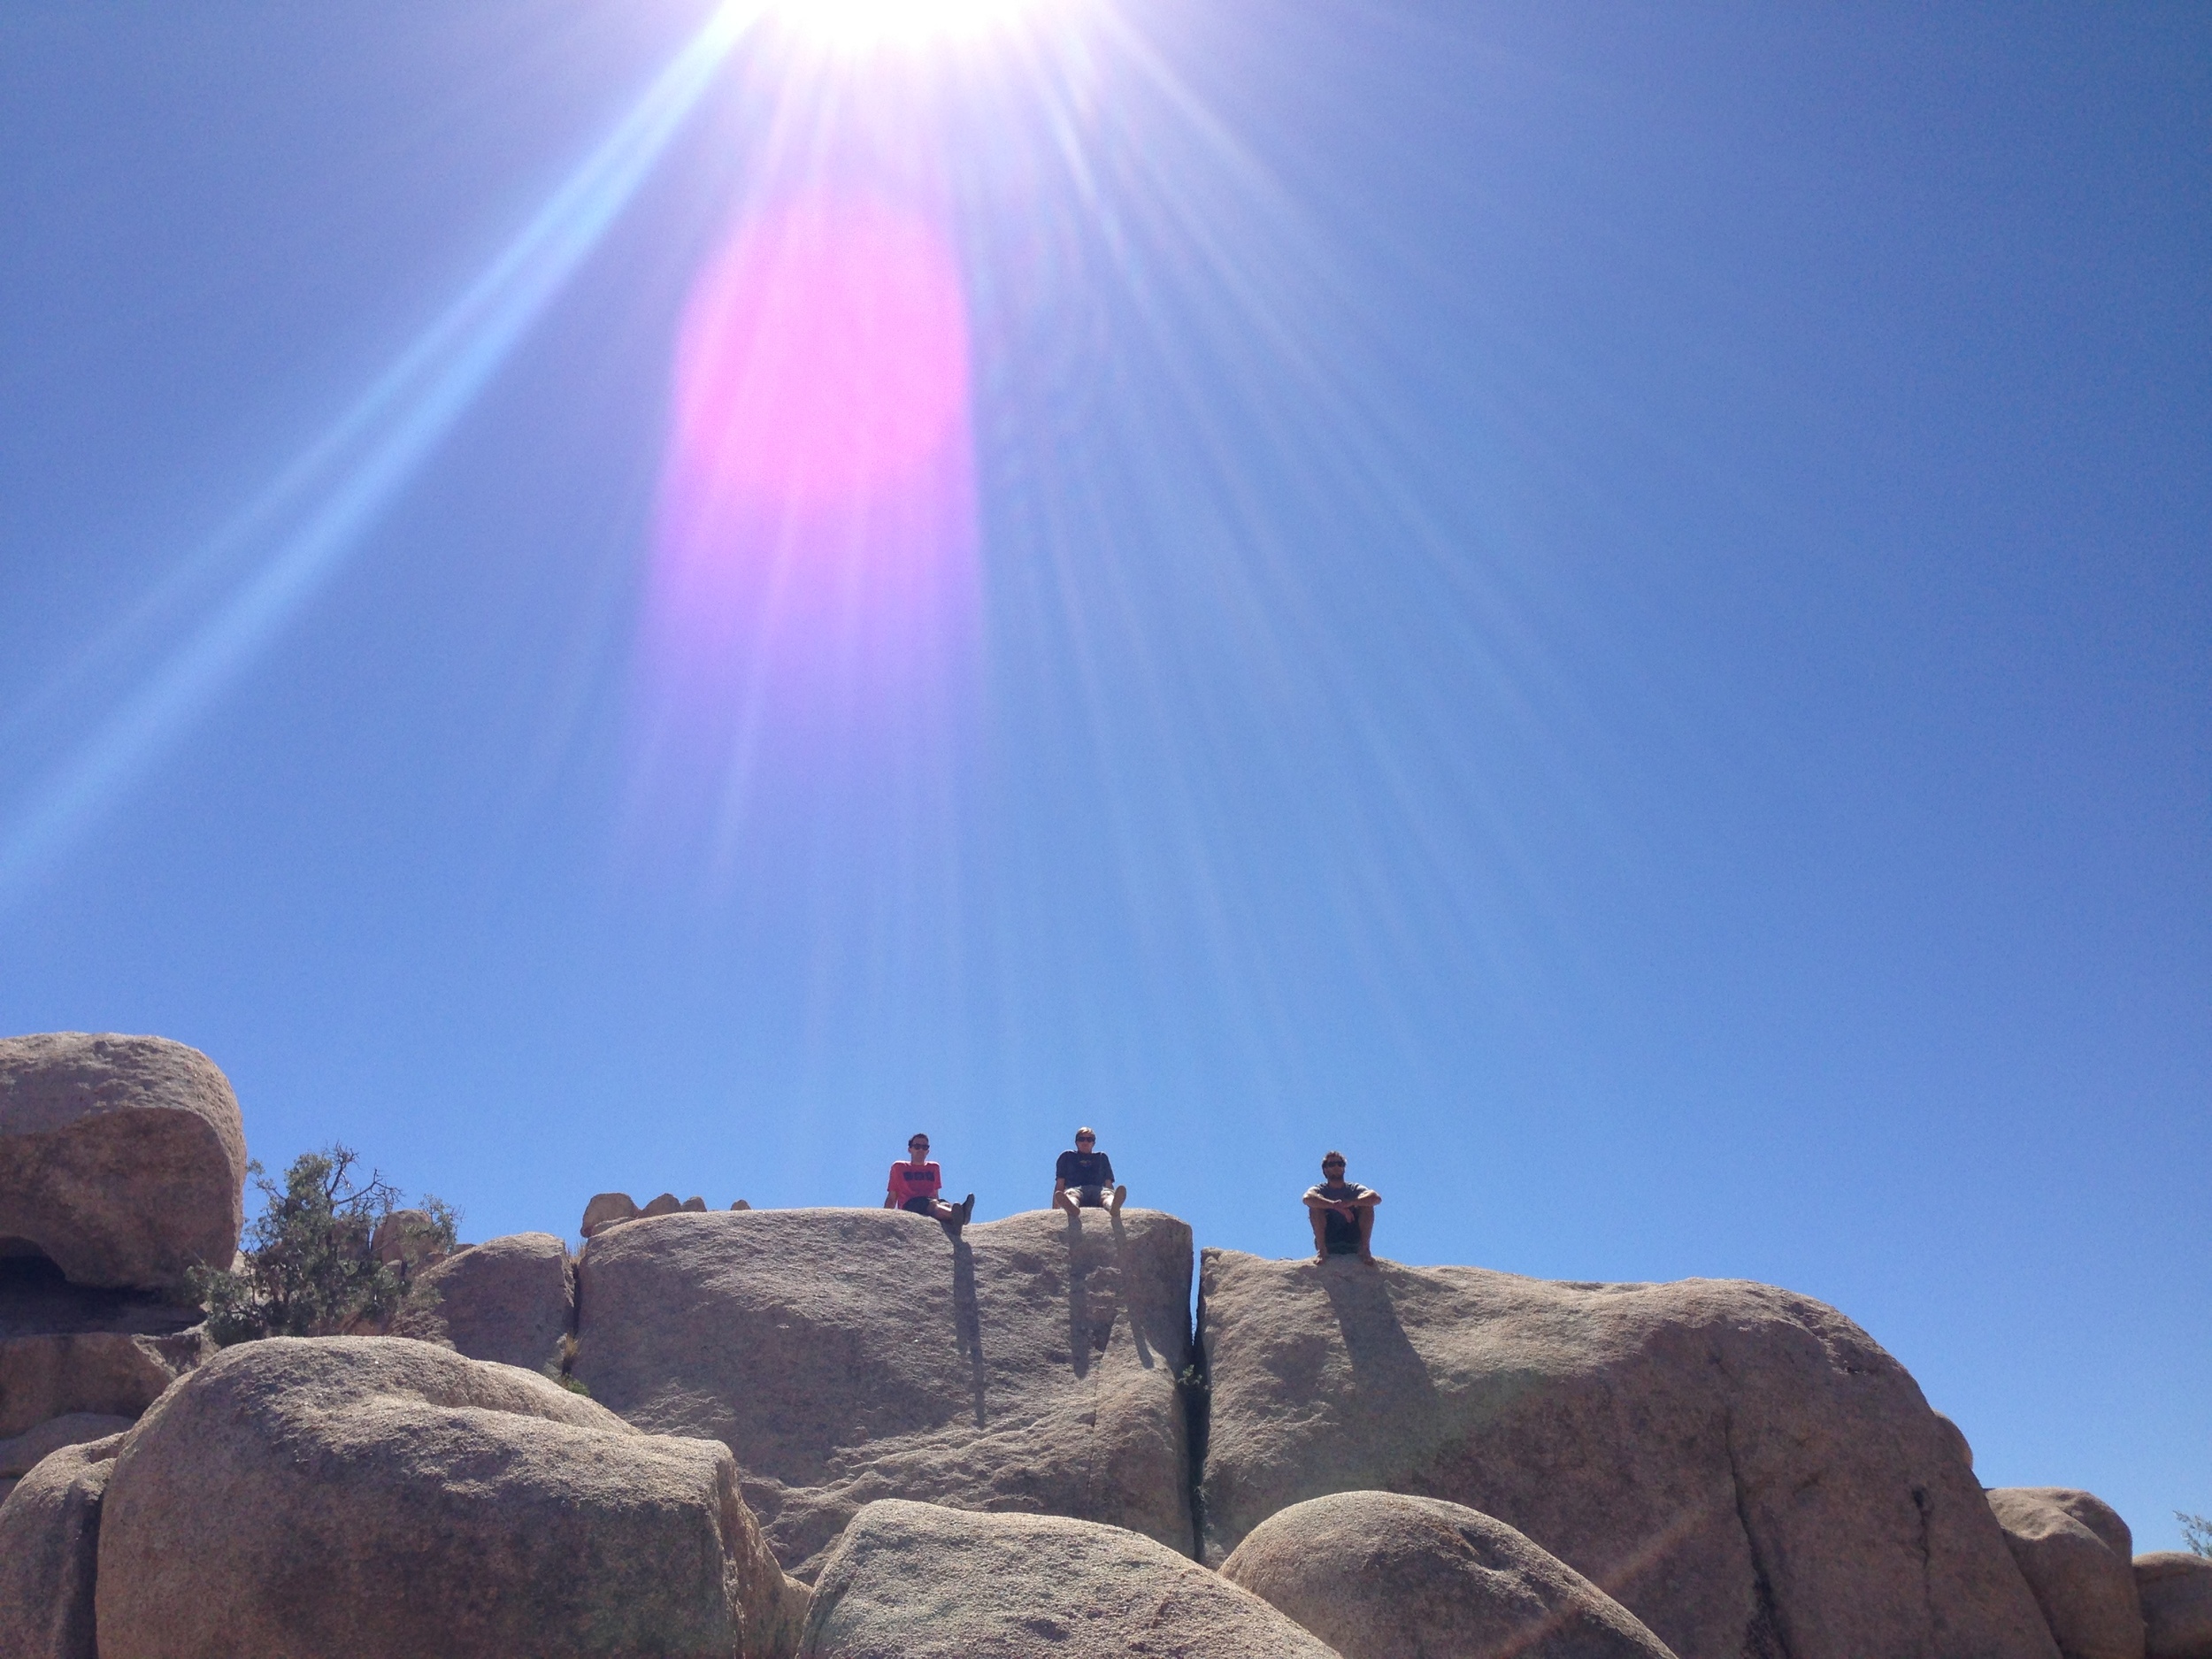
(1367, 1257)
(1321, 1257)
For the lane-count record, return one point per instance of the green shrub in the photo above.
(308, 1267)
(2196, 1532)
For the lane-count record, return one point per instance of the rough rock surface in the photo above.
(50, 1540)
(845, 1354)
(1377, 1575)
(510, 1299)
(21, 1455)
(115, 1373)
(1743, 1469)
(349, 1496)
(606, 1208)
(914, 1581)
(122, 1159)
(2077, 1554)
(2177, 1593)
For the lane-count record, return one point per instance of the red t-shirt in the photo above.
(909, 1182)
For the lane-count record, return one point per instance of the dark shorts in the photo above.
(921, 1206)
(1089, 1197)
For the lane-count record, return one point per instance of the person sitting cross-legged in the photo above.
(1084, 1179)
(1342, 1212)
(915, 1185)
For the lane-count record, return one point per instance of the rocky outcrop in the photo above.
(1377, 1575)
(604, 1210)
(114, 1373)
(122, 1159)
(2176, 1589)
(845, 1354)
(510, 1299)
(78, 1428)
(349, 1496)
(915, 1581)
(1744, 1470)
(50, 1540)
(2077, 1554)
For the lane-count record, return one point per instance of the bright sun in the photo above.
(859, 24)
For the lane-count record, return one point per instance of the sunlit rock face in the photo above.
(1744, 1470)
(1379, 1575)
(122, 1159)
(921, 1582)
(374, 1495)
(510, 1299)
(2077, 1556)
(849, 1355)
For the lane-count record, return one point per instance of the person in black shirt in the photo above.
(1342, 1212)
(1084, 1177)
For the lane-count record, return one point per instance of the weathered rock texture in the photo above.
(2077, 1554)
(607, 1208)
(122, 1158)
(914, 1581)
(845, 1354)
(50, 1540)
(510, 1299)
(19, 1454)
(1377, 1575)
(1743, 1469)
(2176, 1590)
(114, 1373)
(350, 1496)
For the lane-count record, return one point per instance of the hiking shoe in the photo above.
(1121, 1197)
(967, 1208)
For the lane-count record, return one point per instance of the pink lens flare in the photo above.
(815, 534)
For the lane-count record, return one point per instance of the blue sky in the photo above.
(1606, 609)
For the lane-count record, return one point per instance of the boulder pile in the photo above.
(848, 1434)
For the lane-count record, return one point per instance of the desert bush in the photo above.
(2196, 1532)
(308, 1267)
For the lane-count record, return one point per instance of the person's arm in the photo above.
(1315, 1201)
(1368, 1198)
(890, 1190)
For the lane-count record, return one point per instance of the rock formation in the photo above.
(2176, 1590)
(122, 1159)
(845, 1355)
(1743, 1469)
(915, 1581)
(374, 1495)
(50, 1540)
(2077, 1555)
(510, 1299)
(1377, 1575)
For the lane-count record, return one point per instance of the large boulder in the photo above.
(1744, 1470)
(510, 1299)
(915, 1581)
(2077, 1554)
(122, 1159)
(1377, 1575)
(2176, 1593)
(19, 1454)
(49, 1542)
(350, 1496)
(115, 1373)
(845, 1354)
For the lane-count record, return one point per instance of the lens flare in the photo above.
(817, 521)
(864, 24)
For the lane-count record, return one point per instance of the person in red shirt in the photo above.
(916, 1183)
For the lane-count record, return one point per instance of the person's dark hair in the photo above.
(1087, 1129)
(1332, 1157)
(917, 1135)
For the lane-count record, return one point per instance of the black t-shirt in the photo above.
(1334, 1228)
(1084, 1169)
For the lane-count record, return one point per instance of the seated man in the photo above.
(1342, 1212)
(1081, 1178)
(915, 1185)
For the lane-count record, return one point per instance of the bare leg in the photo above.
(1366, 1232)
(1120, 1197)
(1320, 1219)
(1065, 1200)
